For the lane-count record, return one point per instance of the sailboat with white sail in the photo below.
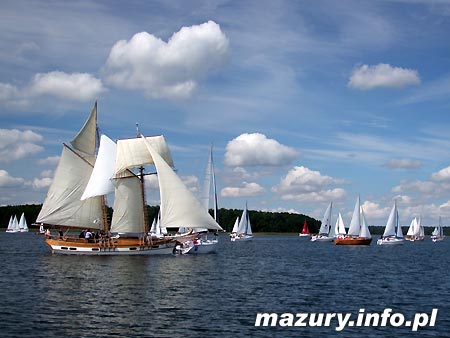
(339, 228)
(438, 233)
(13, 225)
(393, 234)
(358, 232)
(201, 243)
(416, 231)
(326, 233)
(76, 198)
(244, 230)
(23, 226)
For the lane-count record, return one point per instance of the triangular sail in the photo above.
(23, 223)
(398, 231)
(305, 229)
(244, 224)
(355, 223)
(101, 182)
(10, 224)
(179, 207)
(63, 205)
(340, 227)
(236, 225)
(85, 140)
(326, 221)
(391, 224)
(365, 232)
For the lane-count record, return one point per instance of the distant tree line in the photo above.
(261, 221)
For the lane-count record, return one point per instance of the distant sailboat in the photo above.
(202, 244)
(415, 231)
(244, 231)
(13, 225)
(393, 234)
(438, 233)
(23, 227)
(305, 230)
(358, 232)
(339, 228)
(326, 233)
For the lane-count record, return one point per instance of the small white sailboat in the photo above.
(416, 230)
(438, 233)
(201, 243)
(358, 232)
(235, 228)
(326, 231)
(244, 230)
(393, 234)
(23, 227)
(13, 225)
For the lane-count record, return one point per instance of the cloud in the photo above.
(167, 69)
(16, 144)
(7, 92)
(303, 184)
(403, 164)
(8, 181)
(249, 189)
(256, 149)
(76, 86)
(50, 160)
(441, 175)
(41, 183)
(367, 77)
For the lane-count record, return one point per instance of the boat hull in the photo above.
(204, 247)
(244, 238)
(304, 235)
(320, 238)
(390, 241)
(127, 246)
(352, 241)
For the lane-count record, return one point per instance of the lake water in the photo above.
(219, 295)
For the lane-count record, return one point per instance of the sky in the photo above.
(305, 102)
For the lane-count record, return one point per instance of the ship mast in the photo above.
(141, 178)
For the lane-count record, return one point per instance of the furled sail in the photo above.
(132, 153)
(100, 182)
(63, 204)
(179, 207)
(128, 216)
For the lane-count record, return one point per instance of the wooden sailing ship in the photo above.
(76, 198)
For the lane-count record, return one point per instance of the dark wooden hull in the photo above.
(353, 241)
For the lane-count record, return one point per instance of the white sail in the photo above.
(244, 224)
(85, 140)
(340, 227)
(355, 223)
(23, 223)
(101, 182)
(132, 153)
(179, 207)
(364, 231)
(390, 229)
(10, 224)
(326, 221)
(128, 215)
(15, 224)
(412, 227)
(63, 205)
(235, 226)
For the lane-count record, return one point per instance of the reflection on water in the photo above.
(217, 295)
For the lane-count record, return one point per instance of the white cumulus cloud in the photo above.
(8, 181)
(76, 86)
(382, 75)
(167, 69)
(304, 184)
(16, 144)
(441, 175)
(249, 189)
(256, 149)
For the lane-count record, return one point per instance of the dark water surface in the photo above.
(219, 295)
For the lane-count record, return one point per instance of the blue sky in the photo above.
(306, 102)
